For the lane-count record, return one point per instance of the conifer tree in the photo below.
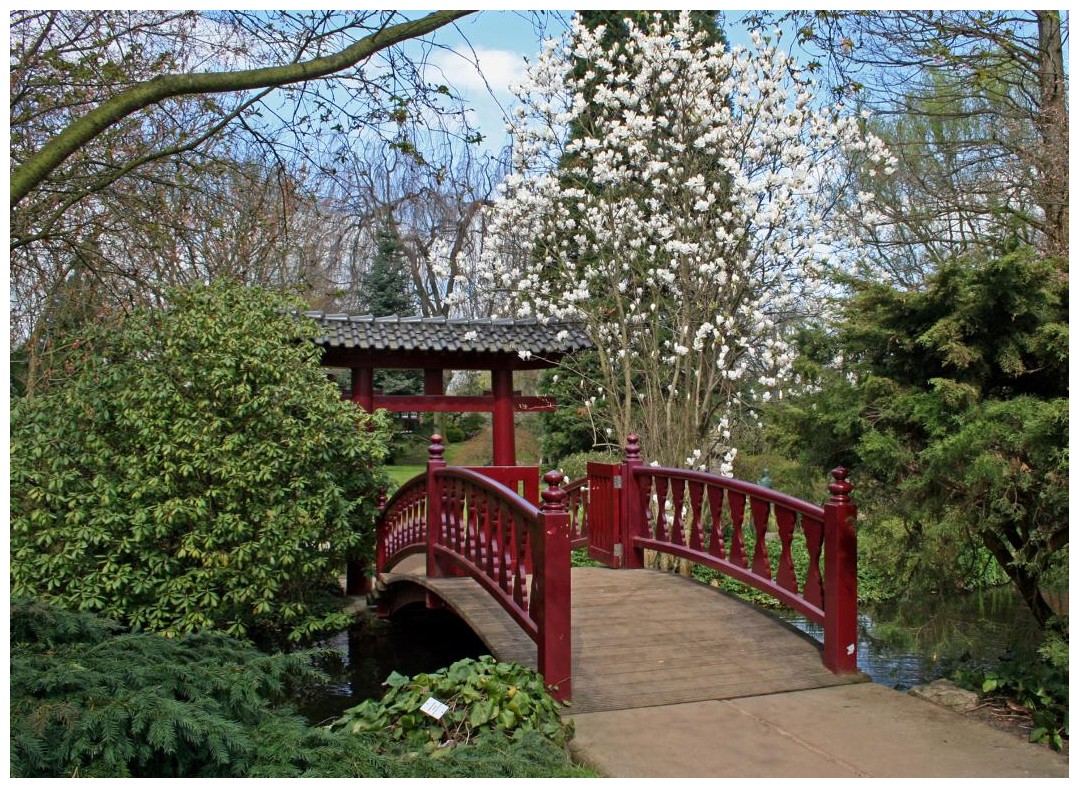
(387, 290)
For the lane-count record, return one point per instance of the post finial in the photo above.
(554, 497)
(434, 451)
(840, 488)
(633, 447)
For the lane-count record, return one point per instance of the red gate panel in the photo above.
(605, 513)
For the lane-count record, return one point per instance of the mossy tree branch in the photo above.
(80, 132)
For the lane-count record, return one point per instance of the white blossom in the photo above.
(687, 241)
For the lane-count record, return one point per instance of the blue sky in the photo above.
(498, 41)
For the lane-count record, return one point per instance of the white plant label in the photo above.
(434, 708)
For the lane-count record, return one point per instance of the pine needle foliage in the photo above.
(950, 405)
(86, 701)
(91, 700)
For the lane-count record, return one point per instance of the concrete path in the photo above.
(860, 730)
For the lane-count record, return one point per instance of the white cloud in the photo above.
(480, 71)
(482, 77)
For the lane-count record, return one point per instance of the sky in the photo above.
(498, 41)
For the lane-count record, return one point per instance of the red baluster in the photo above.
(814, 586)
(785, 577)
(678, 527)
(661, 508)
(760, 509)
(715, 507)
(696, 491)
(737, 507)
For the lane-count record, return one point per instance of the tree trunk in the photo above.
(1026, 583)
(1052, 120)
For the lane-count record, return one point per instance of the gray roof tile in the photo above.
(440, 334)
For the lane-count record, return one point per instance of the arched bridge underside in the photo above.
(642, 638)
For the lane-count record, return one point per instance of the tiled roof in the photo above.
(453, 335)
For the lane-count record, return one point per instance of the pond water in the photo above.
(900, 646)
(416, 640)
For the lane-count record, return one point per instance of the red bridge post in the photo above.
(840, 577)
(434, 504)
(380, 542)
(631, 511)
(551, 589)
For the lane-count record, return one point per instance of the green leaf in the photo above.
(481, 713)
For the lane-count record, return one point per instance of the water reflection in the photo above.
(416, 640)
(913, 642)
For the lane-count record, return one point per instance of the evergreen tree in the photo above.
(386, 286)
(951, 403)
(387, 290)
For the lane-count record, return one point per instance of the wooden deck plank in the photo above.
(643, 638)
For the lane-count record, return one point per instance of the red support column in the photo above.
(632, 514)
(363, 394)
(432, 382)
(505, 451)
(551, 590)
(840, 578)
(363, 388)
(356, 580)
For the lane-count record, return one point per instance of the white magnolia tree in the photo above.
(683, 202)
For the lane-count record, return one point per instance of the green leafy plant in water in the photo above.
(483, 696)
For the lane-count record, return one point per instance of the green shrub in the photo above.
(489, 755)
(482, 695)
(575, 466)
(195, 469)
(580, 557)
(1038, 685)
(1054, 649)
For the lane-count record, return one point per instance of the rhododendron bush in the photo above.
(684, 202)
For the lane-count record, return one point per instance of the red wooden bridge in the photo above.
(496, 548)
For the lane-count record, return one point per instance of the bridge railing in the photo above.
(802, 554)
(469, 524)
(577, 498)
(402, 524)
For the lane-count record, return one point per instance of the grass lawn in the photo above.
(402, 473)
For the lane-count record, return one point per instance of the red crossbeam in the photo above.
(446, 403)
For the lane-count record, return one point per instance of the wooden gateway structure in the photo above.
(365, 343)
